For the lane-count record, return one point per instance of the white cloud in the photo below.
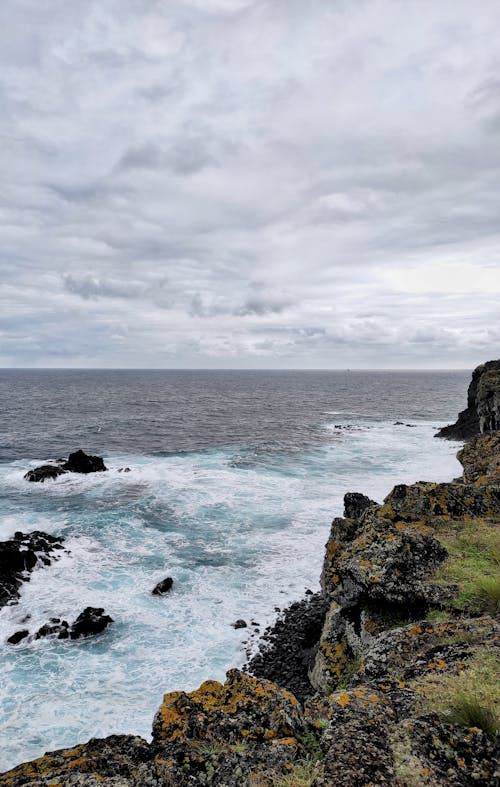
(266, 182)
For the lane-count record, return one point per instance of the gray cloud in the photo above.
(249, 182)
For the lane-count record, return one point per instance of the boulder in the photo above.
(163, 587)
(239, 624)
(18, 636)
(43, 473)
(80, 462)
(19, 556)
(91, 621)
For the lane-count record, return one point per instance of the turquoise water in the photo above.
(241, 530)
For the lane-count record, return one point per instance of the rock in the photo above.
(91, 621)
(44, 472)
(355, 504)
(56, 628)
(117, 761)
(288, 648)
(222, 733)
(163, 587)
(480, 458)
(481, 396)
(14, 639)
(19, 556)
(80, 462)
(488, 400)
(239, 624)
(356, 745)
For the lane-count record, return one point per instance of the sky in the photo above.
(249, 183)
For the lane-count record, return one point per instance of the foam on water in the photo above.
(239, 531)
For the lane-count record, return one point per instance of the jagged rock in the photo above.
(355, 504)
(424, 501)
(44, 472)
(468, 423)
(89, 622)
(117, 761)
(56, 627)
(287, 649)
(480, 458)
(19, 556)
(239, 624)
(488, 400)
(357, 745)
(80, 462)
(163, 587)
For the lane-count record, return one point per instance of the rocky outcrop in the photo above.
(21, 555)
(90, 622)
(44, 473)
(482, 413)
(220, 735)
(77, 462)
(80, 462)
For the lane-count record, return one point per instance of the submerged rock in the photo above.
(20, 555)
(239, 624)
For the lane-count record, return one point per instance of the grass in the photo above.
(301, 775)
(473, 565)
(471, 698)
(469, 711)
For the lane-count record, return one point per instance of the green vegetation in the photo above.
(469, 711)
(470, 698)
(473, 566)
(301, 775)
(311, 744)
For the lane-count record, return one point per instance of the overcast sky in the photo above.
(249, 183)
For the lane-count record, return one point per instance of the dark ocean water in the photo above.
(234, 479)
(46, 412)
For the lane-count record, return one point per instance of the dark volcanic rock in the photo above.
(44, 472)
(18, 637)
(19, 556)
(80, 462)
(56, 627)
(288, 648)
(239, 624)
(480, 397)
(91, 621)
(163, 587)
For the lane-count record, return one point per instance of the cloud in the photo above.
(249, 182)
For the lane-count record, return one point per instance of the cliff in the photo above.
(388, 677)
(482, 413)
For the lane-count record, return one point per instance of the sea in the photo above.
(234, 479)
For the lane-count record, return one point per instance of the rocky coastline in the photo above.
(388, 676)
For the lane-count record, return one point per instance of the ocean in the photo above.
(234, 479)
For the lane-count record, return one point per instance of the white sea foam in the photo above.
(237, 541)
